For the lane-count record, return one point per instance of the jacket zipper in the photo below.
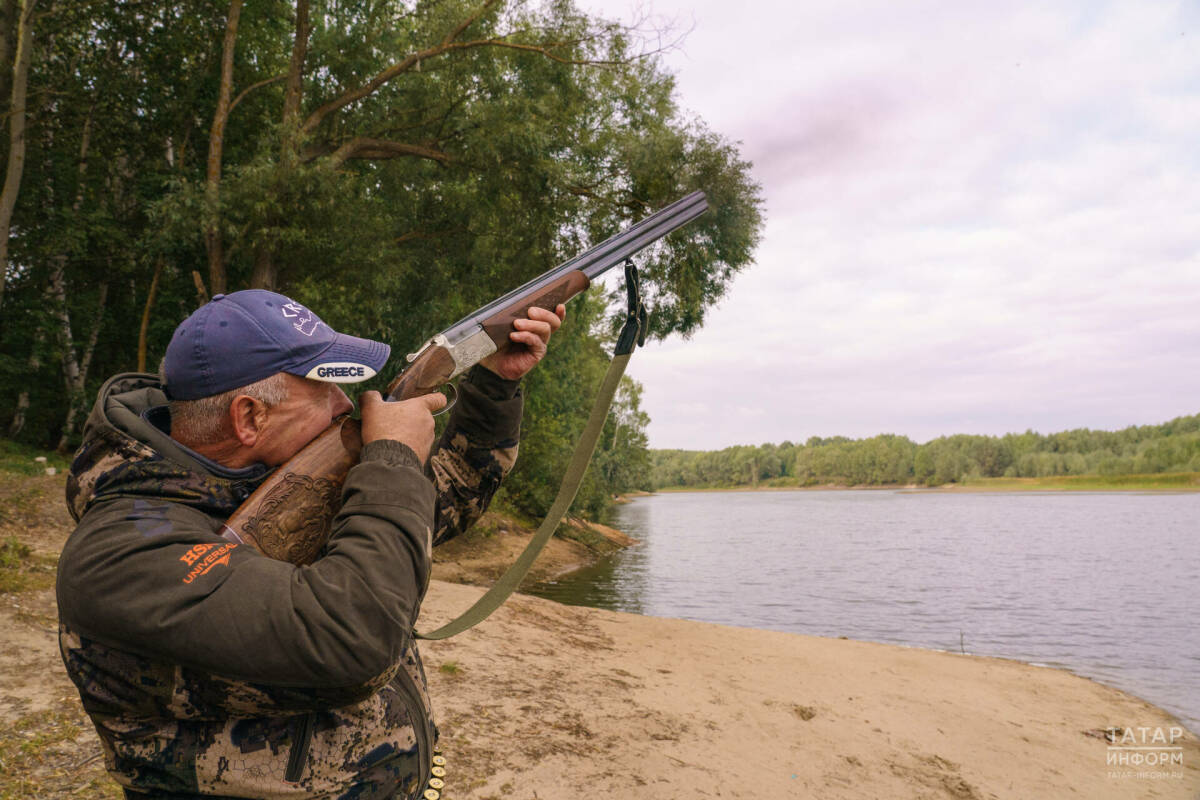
(299, 750)
(421, 725)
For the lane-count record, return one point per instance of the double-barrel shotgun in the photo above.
(288, 517)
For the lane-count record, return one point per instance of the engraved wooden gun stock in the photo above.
(288, 517)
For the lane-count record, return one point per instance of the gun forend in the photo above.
(442, 359)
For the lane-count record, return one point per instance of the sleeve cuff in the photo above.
(488, 410)
(390, 452)
(492, 385)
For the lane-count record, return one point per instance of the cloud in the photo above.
(980, 218)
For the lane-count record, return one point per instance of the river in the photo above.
(1105, 584)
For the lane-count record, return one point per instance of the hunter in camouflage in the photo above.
(210, 670)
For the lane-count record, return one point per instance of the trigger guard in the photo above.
(451, 403)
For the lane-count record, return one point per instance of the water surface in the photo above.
(1104, 584)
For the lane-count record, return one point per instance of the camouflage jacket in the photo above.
(210, 670)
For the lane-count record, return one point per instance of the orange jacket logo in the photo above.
(203, 557)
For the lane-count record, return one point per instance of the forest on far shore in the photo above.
(889, 459)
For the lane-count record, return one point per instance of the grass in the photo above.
(24, 484)
(1168, 481)
(39, 757)
(21, 570)
(32, 517)
(585, 536)
(450, 668)
(19, 459)
(590, 540)
(501, 516)
(1164, 481)
(18, 504)
(503, 506)
(51, 752)
(12, 553)
(773, 483)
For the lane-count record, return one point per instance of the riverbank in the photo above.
(1155, 482)
(482, 554)
(551, 701)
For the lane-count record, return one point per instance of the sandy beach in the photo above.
(545, 701)
(548, 701)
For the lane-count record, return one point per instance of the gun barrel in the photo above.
(612, 251)
(616, 249)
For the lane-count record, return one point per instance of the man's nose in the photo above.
(341, 403)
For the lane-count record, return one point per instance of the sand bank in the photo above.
(550, 702)
(547, 701)
(482, 555)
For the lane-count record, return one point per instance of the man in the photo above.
(210, 670)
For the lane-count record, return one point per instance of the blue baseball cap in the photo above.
(243, 337)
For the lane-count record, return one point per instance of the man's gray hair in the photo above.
(206, 421)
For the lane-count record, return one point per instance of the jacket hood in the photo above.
(124, 454)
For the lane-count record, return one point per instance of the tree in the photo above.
(393, 165)
(622, 455)
(515, 135)
(21, 12)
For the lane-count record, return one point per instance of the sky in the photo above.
(980, 218)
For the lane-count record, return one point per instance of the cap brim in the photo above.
(348, 359)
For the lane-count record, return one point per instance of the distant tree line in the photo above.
(889, 459)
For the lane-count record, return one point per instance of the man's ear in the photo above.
(249, 419)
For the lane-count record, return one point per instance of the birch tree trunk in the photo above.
(35, 364)
(74, 370)
(16, 133)
(9, 24)
(141, 358)
(73, 375)
(216, 145)
(62, 317)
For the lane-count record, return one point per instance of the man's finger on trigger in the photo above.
(528, 338)
(434, 400)
(560, 311)
(537, 328)
(553, 318)
(539, 314)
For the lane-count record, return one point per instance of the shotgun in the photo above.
(288, 517)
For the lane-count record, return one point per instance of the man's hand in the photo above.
(530, 338)
(408, 421)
